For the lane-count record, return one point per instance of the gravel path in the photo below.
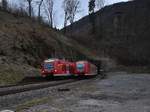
(120, 92)
(9, 101)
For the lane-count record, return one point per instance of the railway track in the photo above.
(34, 80)
(23, 88)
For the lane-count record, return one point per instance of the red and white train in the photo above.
(85, 68)
(57, 67)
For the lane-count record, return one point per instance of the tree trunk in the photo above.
(39, 12)
(51, 17)
(30, 9)
(65, 22)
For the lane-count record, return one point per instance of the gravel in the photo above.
(120, 92)
(10, 101)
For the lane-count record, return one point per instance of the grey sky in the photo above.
(59, 14)
(84, 10)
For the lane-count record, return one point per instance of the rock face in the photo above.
(122, 32)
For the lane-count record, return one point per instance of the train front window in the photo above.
(48, 66)
(80, 67)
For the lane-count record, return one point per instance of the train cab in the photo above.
(85, 68)
(57, 67)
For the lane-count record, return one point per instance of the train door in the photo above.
(68, 69)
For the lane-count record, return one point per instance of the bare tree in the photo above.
(71, 8)
(4, 4)
(30, 7)
(39, 9)
(48, 7)
(65, 7)
(100, 3)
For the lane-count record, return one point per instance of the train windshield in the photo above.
(80, 67)
(48, 66)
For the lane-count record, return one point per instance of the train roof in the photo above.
(83, 61)
(51, 60)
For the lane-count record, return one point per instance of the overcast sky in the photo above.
(84, 10)
(59, 14)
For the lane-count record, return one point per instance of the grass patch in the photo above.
(31, 103)
(9, 76)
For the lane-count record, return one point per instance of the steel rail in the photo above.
(30, 87)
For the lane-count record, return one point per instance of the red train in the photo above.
(85, 68)
(57, 67)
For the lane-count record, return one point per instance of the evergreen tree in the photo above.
(91, 6)
(91, 14)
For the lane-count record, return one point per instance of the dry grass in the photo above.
(31, 103)
(9, 75)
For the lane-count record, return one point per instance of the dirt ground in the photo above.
(120, 92)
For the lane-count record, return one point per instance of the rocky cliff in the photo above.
(122, 32)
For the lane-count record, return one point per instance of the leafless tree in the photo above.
(30, 7)
(65, 7)
(39, 9)
(100, 3)
(71, 8)
(74, 6)
(4, 4)
(48, 7)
